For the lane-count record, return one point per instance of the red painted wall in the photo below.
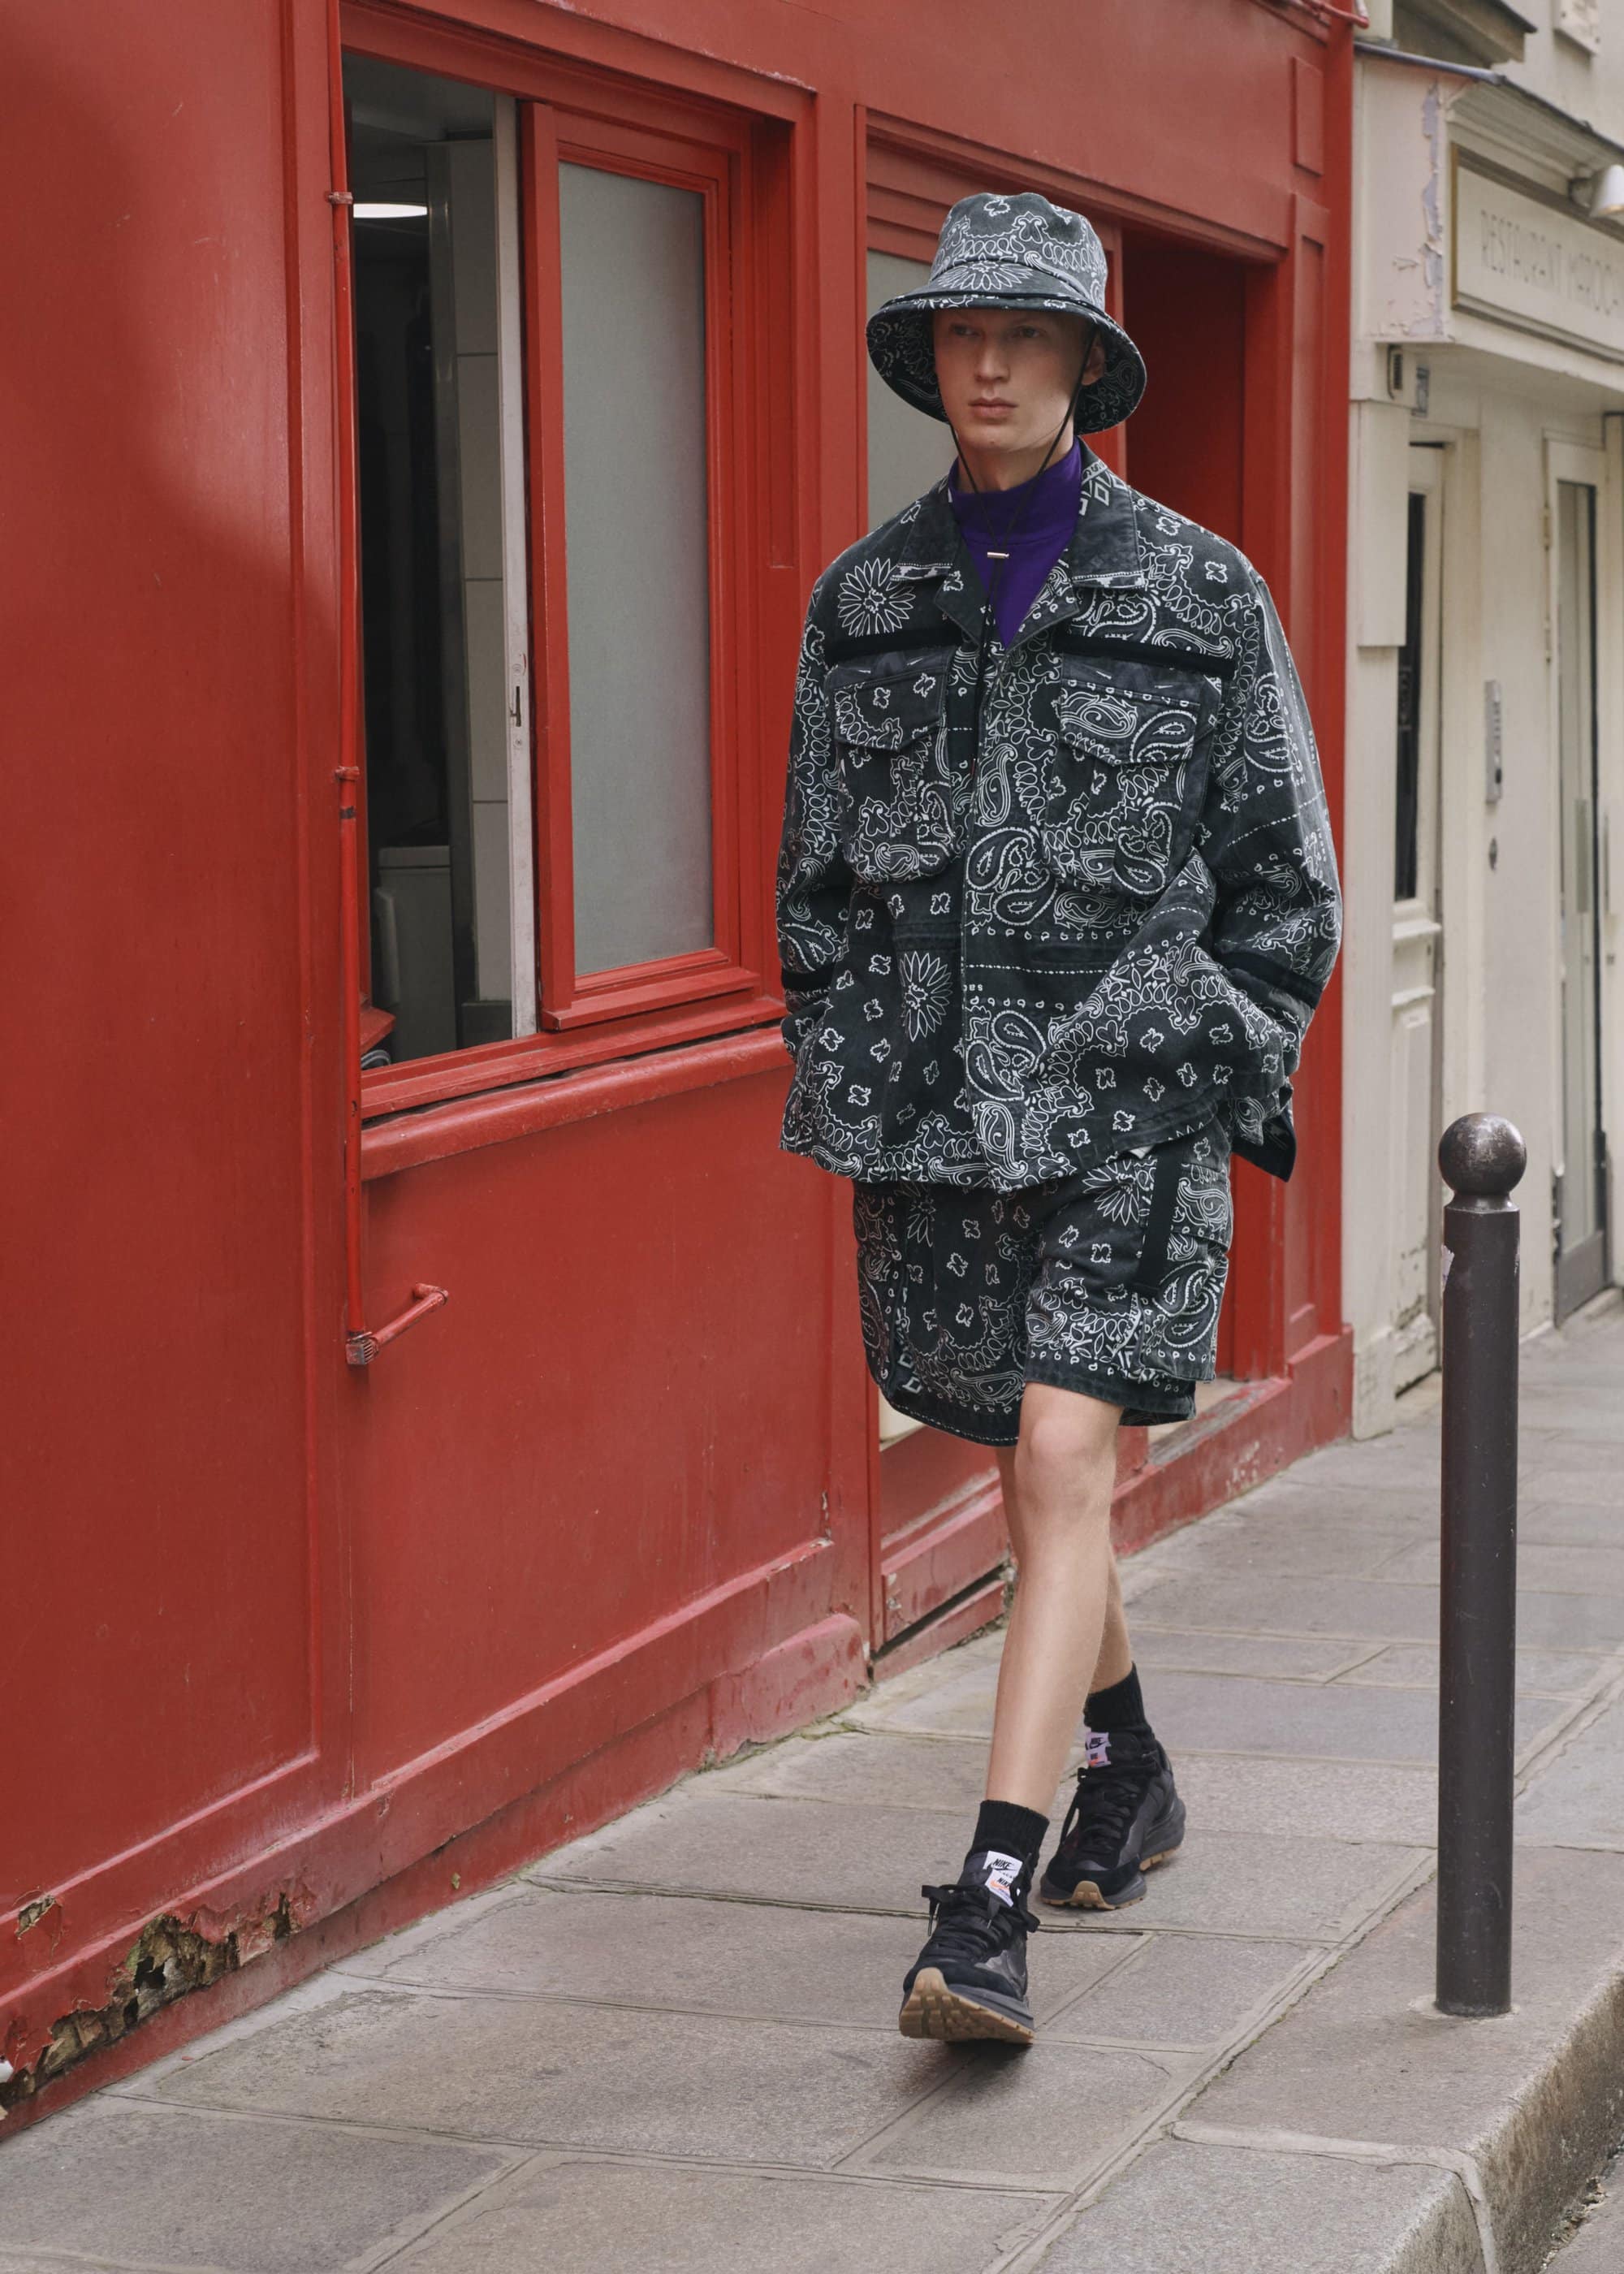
(172, 1215)
(282, 1630)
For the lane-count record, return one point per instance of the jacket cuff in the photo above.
(1275, 1152)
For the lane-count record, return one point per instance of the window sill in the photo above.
(530, 1058)
(667, 1064)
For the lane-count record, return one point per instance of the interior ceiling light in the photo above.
(1601, 193)
(371, 210)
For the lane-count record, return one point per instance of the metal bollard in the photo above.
(1482, 1157)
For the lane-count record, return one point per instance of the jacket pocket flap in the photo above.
(887, 711)
(1125, 725)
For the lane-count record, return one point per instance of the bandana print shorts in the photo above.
(1107, 1283)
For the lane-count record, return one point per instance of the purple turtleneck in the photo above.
(1043, 512)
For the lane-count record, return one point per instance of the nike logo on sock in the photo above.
(999, 1873)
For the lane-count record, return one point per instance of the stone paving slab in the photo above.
(1189, 1990)
(42, 2261)
(872, 1763)
(1573, 1417)
(1534, 2098)
(960, 1707)
(1357, 1610)
(673, 2044)
(541, 2073)
(1570, 1522)
(1553, 1461)
(1322, 1546)
(1278, 1800)
(38, 2261)
(833, 1854)
(1579, 1800)
(1310, 1888)
(1286, 1658)
(575, 2216)
(1540, 1672)
(688, 1952)
(1406, 1459)
(1567, 1491)
(862, 1858)
(1542, 1568)
(1336, 1505)
(1192, 2209)
(964, 1708)
(1051, 2115)
(1384, 1611)
(143, 2183)
(1203, 1713)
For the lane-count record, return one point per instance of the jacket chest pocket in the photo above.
(1124, 771)
(898, 811)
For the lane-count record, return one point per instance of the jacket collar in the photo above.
(1103, 554)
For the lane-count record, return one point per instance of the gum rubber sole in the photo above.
(932, 2010)
(1085, 1896)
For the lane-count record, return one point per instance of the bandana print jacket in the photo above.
(1087, 906)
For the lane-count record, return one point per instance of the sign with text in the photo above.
(1532, 265)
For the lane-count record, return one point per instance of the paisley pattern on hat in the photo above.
(1042, 906)
(1014, 251)
(1020, 233)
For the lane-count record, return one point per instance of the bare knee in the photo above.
(1065, 1462)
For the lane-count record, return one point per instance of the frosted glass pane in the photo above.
(907, 451)
(637, 531)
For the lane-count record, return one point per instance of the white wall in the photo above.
(1499, 399)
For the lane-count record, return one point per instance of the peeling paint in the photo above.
(1405, 204)
(170, 1959)
(31, 1914)
(1432, 127)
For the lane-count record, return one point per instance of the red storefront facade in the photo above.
(331, 1640)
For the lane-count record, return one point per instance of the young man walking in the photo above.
(1057, 898)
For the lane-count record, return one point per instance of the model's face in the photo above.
(1006, 375)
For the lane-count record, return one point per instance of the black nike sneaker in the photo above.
(970, 1979)
(1125, 1816)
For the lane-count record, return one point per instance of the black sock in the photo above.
(1119, 1708)
(1010, 1829)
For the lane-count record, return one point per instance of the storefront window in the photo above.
(553, 445)
(632, 263)
(440, 457)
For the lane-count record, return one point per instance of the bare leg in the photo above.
(1066, 1630)
(1115, 1662)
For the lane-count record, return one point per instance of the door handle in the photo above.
(361, 1346)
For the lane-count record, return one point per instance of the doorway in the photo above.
(1580, 1183)
(937, 1534)
(1416, 1035)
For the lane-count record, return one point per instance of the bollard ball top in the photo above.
(1482, 1154)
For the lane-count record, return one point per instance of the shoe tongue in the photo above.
(992, 1869)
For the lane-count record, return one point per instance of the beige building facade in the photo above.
(1483, 860)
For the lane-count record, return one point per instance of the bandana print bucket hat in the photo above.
(1015, 251)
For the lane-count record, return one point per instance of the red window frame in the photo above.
(551, 138)
(571, 114)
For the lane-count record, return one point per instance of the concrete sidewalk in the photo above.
(673, 2045)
